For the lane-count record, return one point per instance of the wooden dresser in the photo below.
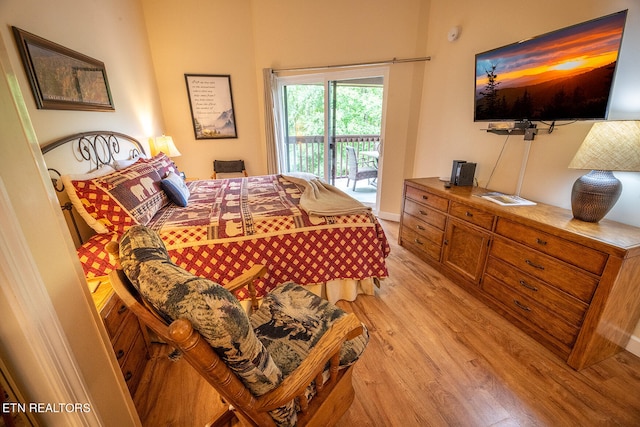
(573, 286)
(130, 341)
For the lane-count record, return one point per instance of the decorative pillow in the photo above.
(122, 198)
(163, 164)
(82, 205)
(176, 189)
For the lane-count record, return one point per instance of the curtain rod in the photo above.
(357, 64)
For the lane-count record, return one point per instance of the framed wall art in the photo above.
(62, 79)
(211, 106)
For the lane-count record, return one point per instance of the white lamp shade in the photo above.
(163, 144)
(610, 146)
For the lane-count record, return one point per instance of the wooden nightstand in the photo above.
(129, 340)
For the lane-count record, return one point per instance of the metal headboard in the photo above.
(97, 148)
(93, 149)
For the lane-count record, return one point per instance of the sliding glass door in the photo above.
(325, 113)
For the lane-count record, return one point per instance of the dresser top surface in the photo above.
(550, 218)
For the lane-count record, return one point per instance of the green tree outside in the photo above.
(358, 112)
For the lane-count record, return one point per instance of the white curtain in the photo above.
(272, 121)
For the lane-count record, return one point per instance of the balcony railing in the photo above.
(306, 153)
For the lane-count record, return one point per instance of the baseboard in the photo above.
(388, 216)
(634, 345)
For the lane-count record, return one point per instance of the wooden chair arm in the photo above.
(311, 368)
(247, 278)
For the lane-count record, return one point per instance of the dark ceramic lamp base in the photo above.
(594, 194)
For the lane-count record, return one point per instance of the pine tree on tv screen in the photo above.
(563, 75)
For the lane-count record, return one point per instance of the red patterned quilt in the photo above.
(231, 224)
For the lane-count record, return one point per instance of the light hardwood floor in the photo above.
(437, 357)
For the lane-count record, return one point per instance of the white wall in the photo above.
(213, 37)
(447, 130)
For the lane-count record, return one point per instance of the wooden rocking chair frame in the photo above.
(332, 400)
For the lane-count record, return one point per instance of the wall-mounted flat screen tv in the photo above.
(562, 75)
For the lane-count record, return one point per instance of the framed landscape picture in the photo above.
(62, 79)
(211, 106)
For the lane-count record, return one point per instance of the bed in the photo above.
(215, 228)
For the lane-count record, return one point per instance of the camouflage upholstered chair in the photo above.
(288, 363)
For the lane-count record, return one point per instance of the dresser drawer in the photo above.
(581, 256)
(134, 363)
(430, 216)
(420, 245)
(473, 215)
(556, 273)
(423, 229)
(113, 314)
(531, 312)
(123, 340)
(561, 304)
(427, 198)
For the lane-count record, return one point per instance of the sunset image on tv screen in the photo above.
(563, 75)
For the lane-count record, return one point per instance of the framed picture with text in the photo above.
(211, 104)
(62, 79)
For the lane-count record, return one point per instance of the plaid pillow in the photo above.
(123, 198)
(83, 206)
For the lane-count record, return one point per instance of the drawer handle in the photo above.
(419, 227)
(425, 197)
(528, 286)
(128, 376)
(119, 354)
(423, 212)
(520, 305)
(541, 242)
(418, 241)
(467, 213)
(122, 309)
(534, 265)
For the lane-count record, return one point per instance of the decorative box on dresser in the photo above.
(573, 286)
(129, 340)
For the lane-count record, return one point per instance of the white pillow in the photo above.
(98, 226)
(124, 163)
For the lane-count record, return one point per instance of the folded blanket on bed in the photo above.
(322, 199)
